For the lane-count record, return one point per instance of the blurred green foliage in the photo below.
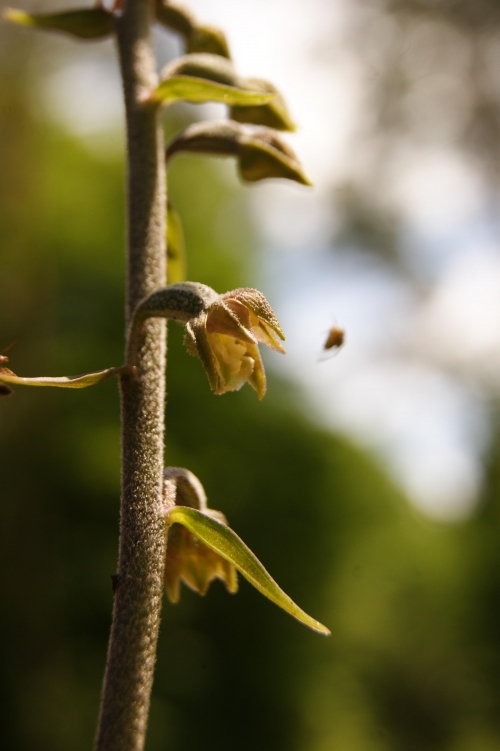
(414, 606)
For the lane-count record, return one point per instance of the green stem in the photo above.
(136, 615)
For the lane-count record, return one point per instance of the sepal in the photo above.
(83, 23)
(260, 152)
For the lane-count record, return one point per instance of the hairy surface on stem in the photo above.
(139, 590)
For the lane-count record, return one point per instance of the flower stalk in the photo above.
(136, 614)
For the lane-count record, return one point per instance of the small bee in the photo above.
(4, 389)
(335, 338)
(334, 341)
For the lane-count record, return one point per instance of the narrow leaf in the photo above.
(176, 247)
(84, 23)
(224, 541)
(199, 90)
(62, 382)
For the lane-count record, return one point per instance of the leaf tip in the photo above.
(17, 16)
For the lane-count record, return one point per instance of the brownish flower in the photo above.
(225, 338)
(188, 559)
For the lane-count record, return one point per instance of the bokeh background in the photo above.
(367, 483)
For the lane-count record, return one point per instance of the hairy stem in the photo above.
(139, 585)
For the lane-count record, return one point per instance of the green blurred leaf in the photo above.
(84, 23)
(207, 78)
(62, 382)
(224, 541)
(176, 247)
(199, 90)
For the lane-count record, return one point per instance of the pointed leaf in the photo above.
(84, 23)
(62, 382)
(224, 541)
(200, 90)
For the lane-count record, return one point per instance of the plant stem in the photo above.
(136, 616)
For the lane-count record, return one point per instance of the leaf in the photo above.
(176, 247)
(84, 23)
(62, 382)
(199, 90)
(224, 541)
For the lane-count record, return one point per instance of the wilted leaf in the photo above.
(224, 541)
(62, 382)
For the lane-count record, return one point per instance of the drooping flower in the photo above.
(188, 559)
(225, 338)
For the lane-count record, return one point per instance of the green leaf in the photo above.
(176, 247)
(62, 382)
(84, 23)
(224, 541)
(199, 90)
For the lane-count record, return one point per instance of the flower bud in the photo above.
(208, 39)
(197, 38)
(187, 558)
(84, 23)
(273, 114)
(175, 17)
(261, 153)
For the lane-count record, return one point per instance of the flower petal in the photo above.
(257, 303)
(234, 360)
(197, 344)
(221, 319)
(257, 379)
(260, 330)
